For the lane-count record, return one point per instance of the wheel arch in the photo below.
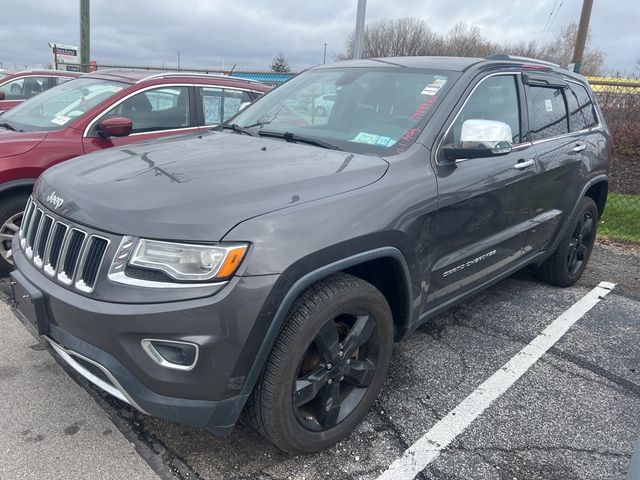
(23, 185)
(598, 192)
(361, 265)
(598, 186)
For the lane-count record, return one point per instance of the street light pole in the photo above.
(581, 37)
(178, 60)
(324, 57)
(358, 39)
(85, 36)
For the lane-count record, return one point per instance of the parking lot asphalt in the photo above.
(50, 428)
(575, 414)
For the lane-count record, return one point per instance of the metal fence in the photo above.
(619, 100)
(265, 76)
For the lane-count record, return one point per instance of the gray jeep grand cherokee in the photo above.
(269, 266)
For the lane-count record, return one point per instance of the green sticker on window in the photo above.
(372, 139)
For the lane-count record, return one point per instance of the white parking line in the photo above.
(428, 447)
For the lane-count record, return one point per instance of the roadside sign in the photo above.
(65, 57)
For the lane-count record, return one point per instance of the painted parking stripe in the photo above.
(428, 447)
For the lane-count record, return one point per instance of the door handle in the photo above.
(580, 147)
(522, 164)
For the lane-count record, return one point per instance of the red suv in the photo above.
(102, 110)
(18, 86)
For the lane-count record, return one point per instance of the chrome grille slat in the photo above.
(34, 226)
(42, 238)
(67, 253)
(67, 265)
(52, 254)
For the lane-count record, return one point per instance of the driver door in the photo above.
(483, 214)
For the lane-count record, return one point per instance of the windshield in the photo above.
(362, 110)
(59, 105)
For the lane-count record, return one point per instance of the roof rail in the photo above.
(191, 74)
(502, 56)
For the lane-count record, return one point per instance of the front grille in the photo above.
(67, 253)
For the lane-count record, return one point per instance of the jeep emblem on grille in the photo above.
(55, 200)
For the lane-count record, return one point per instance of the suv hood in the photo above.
(199, 187)
(17, 143)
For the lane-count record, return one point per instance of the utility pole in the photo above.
(581, 37)
(358, 39)
(85, 42)
(178, 60)
(324, 57)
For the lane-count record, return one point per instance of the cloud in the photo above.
(249, 34)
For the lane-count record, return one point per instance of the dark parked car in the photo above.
(16, 86)
(102, 110)
(270, 266)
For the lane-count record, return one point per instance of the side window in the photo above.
(157, 109)
(581, 108)
(13, 90)
(547, 113)
(218, 105)
(24, 88)
(495, 98)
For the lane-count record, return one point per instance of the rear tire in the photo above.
(11, 211)
(566, 265)
(327, 366)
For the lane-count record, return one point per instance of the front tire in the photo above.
(11, 211)
(327, 366)
(566, 265)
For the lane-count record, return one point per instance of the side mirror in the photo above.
(244, 105)
(2, 95)
(115, 127)
(481, 138)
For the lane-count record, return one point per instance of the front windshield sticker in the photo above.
(60, 120)
(434, 87)
(372, 139)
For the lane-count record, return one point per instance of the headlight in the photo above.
(180, 261)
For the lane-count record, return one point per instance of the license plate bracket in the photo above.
(30, 303)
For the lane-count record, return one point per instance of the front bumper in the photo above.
(102, 342)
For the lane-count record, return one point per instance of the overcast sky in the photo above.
(214, 32)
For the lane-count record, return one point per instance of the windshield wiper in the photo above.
(8, 127)
(235, 127)
(291, 137)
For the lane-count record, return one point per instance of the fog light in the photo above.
(171, 353)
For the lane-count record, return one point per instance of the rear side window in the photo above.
(547, 113)
(220, 104)
(581, 109)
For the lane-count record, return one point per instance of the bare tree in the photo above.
(395, 38)
(412, 37)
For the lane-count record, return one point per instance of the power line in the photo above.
(556, 15)
(549, 18)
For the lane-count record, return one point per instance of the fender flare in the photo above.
(15, 184)
(302, 284)
(583, 193)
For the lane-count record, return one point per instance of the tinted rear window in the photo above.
(581, 108)
(547, 113)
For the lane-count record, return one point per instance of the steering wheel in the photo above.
(16, 89)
